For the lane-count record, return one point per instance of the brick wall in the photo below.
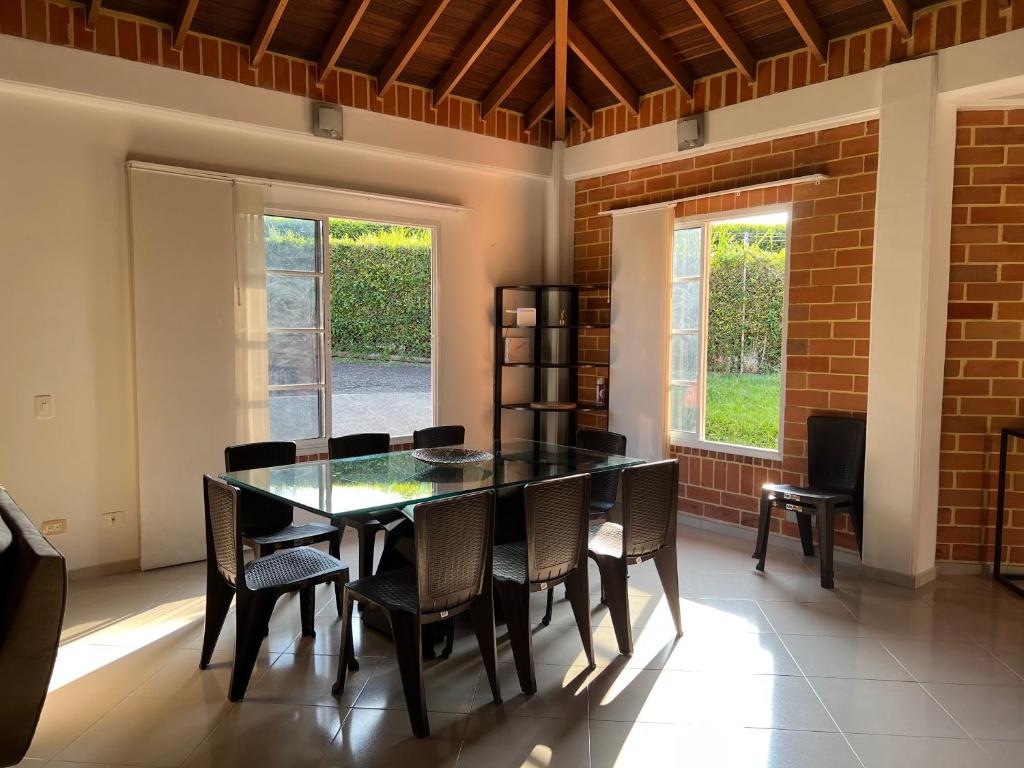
(829, 289)
(62, 22)
(935, 27)
(983, 389)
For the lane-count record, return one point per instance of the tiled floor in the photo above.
(771, 671)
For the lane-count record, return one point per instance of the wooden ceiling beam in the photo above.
(902, 16)
(606, 72)
(724, 34)
(413, 39)
(92, 11)
(265, 30)
(580, 109)
(561, 64)
(186, 12)
(473, 48)
(808, 27)
(541, 107)
(644, 33)
(519, 69)
(343, 31)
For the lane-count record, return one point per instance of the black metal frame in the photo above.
(1008, 580)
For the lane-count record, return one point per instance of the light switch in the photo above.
(44, 406)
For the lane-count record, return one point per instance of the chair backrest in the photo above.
(557, 525)
(362, 444)
(454, 542)
(261, 514)
(223, 534)
(835, 454)
(33, 592)
(439, 437)
(603, 485)
(650, 499)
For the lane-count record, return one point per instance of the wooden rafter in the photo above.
(92, 11)
(579, 108)
(265, 30)
(730, 42)
(642, 31)
(806, 24)
(519, 69)
(902, 16)
(561, 64)
(541, 107)
(582, 111)
(186, 12)
(596, 61)
(343, 31)
(413, 39)
(473, 48)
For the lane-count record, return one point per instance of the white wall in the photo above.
(65, 302)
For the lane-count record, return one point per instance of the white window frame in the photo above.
(319, 444)
(686, 439)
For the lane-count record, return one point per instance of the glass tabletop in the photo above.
(360, 486)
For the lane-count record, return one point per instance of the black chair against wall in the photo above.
(256, 586)
(267, 524)
(650, 495)
(454, 540)
(352, 446)
(555, 551)
(835, 477)
(33, 592)
(439, 437)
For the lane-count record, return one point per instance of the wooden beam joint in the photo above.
(340, 37)
(265, 30)
(186, 13)
(411, 43)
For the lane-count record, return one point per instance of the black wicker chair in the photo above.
(604, 486)
(835, 476)
(555, 551)
(267, 524)
(348, 447)
(256, 586)
(439, 437)
(649, 511)
(454, 546)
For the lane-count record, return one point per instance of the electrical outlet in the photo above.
(53, 527)
(112, 519)
(44, 406)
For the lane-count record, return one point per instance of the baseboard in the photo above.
(105, 569)
(963, 569)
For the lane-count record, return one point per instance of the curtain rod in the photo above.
(232, 177)
(816, 178)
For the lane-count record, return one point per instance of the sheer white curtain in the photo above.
(252, 403)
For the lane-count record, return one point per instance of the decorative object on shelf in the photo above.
(517, 350)
(526, 317)
(450, 457)
(562, 319)
(554, 406)
(601, 392)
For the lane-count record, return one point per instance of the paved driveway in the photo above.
(380, 397)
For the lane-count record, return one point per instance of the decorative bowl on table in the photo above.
(450, 457)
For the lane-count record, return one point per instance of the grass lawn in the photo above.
(743, 409)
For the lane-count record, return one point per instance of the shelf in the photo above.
(580, 408)
(546, 327)
(554, 365)
(558, 287)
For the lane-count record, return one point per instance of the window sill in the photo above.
(726, 448)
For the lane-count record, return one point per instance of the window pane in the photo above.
(686, 305)
(290, 244)
(295, 414)
(685, 356)
(686, 253)
(294, 358)
(683, 408)
(292, 302)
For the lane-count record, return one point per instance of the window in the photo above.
(727, 324)
(349, 320)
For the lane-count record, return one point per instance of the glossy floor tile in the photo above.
(772, 672)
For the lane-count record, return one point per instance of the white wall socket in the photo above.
(44, 406)
(111, 519)
(53, 527)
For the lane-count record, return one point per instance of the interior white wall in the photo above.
(65, 298)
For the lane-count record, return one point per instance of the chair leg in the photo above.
(515, 600)
(253, 619)
(334, 546)
(764, 526)
(347, 662)
(826, 528)
(405, 628)
(219, 595)
(668, 571)
(307, 610)
(577, 589)
(616, 590)
(367, 538)
(806, 533)
(481, 612)
(546, 620)
(857, 518)
(449, 639)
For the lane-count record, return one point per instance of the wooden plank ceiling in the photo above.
(538, 57)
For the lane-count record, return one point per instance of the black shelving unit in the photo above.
(541, 298)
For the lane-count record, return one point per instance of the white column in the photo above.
(908, 318)
(559, 214)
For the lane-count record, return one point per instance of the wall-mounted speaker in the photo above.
(327, 121)
(691, 132)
